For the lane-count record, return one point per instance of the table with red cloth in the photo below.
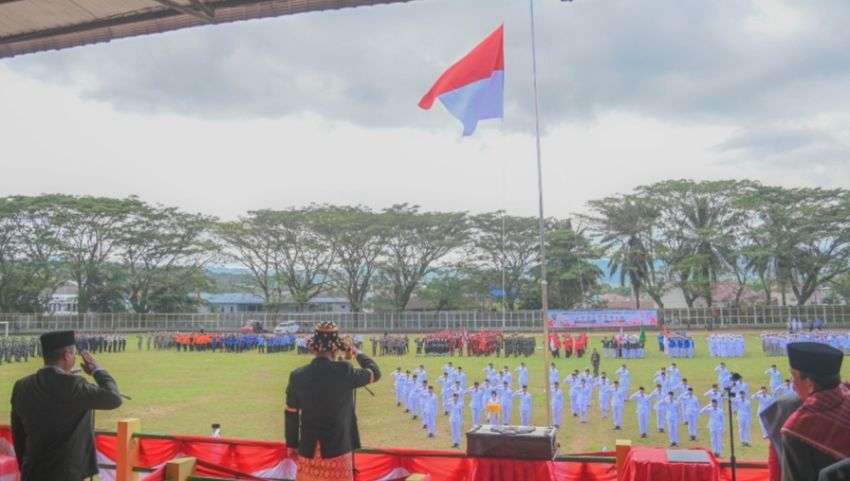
(651, 464)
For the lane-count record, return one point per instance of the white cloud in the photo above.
(322, 107)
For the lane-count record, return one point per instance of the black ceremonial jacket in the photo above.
(52, 423)
(320, 405)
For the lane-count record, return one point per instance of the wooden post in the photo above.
(179, 469)
(623, 448)
(128, 449)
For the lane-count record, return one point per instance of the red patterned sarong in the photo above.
(340, 468)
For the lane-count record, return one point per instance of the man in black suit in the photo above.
(321, 426)
(52, 413)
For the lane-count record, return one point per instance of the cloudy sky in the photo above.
(321, 107)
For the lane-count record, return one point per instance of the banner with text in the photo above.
(602, 319)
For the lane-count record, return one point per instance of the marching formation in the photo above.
(501, 396)
(776, 344)
(624, 346)
(726, 345)
(679, 345)
(219, 342)
(22, 349)
(19, 349)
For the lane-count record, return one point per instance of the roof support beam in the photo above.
(200, 11)
(203, 7)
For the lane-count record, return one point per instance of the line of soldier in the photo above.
(19, 349)
(100, 343)
(388, 345)
(624, 347)
(776, 344)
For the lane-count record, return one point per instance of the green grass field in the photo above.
(183, 393)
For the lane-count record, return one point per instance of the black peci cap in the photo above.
(815, 358)
(51, 341)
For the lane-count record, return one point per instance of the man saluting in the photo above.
(52, 413)
(321, 427)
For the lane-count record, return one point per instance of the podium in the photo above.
(512, 442)
(659, 464)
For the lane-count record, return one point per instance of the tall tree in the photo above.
(508, 245)
(11, 274)
(306, 254)
(699, 220)
(415, 242)
(811, 237)
(91, 230)
(623, 227)
(358, 236)
(450, 288)
(161, 249)
(571, 275)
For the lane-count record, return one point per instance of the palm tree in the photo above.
(622, 226)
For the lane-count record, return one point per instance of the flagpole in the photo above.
(544, 286)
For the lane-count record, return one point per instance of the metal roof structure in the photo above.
(28, 26)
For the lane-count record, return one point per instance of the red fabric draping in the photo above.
(495, 469)
(569, 471)
(8, 468)
(252, 460)
(644, 464)
(759, 473)
(450, 466)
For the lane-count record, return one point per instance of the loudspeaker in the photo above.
(517, 442)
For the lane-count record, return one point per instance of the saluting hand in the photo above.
(89, 365)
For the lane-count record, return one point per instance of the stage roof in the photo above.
(28, 26)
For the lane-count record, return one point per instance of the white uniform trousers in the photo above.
(744, 426)
(643, 422)
(693, 419)
(455, 424)
(618, 415)
(673, 429)
(716, 441)
(660, 418)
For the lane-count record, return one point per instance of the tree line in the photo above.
(126, 254)
(690, 235)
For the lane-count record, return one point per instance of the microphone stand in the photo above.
(731, 434)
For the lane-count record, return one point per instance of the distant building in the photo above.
(724, 293)
(64, 300)
(616, 301)
(243, 302)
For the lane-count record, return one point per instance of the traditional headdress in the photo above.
(325, 338)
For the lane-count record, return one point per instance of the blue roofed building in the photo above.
(245, 302)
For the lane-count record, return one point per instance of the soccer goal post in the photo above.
(4, 325)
